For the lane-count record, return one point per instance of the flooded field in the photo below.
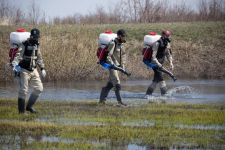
(190, 116)
(181, 91)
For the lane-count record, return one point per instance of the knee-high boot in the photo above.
(32, 99)
(105, 92)
(21, 105)
(151, 88)
(163, 88)
(118, 96)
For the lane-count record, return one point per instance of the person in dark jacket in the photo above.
(27, 59)
(160, 50)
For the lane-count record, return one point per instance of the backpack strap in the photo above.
(25, 45)
(115, 44)
(159, 42)
(120, 53)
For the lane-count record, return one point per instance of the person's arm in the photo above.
(19, 55)
(169, 55)
(123, 57)
(154, 53)
(110, 50)
(40, 62)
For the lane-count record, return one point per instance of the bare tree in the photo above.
(5, 12)
(102, 15)
(19, 16)
(123, 11)
(203, 10)
(33, 13)
(56, 21)
(43, 20)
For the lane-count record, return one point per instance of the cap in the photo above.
(166, 32)
(35, 33)
(121, 32)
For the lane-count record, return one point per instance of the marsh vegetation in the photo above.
(88, 125)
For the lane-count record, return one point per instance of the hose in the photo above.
(162, 69)
(7, 66)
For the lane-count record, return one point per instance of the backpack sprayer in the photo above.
(104, 40)
(149, 40)
(16, 38)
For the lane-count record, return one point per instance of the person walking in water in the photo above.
(116, 56)
(160, 49)
(27, 59)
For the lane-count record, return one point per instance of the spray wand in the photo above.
(162, 69)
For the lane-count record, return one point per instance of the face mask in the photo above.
(167, 40)
(122, 39)
(34, 41)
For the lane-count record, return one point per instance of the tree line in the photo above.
(119, 12)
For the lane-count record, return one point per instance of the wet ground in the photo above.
(53, 139)
(181, 91)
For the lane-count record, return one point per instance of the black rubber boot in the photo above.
(105, 92)
(149, 91)
(118, 96)
(21, 105)
(31, 102)
(163, 91)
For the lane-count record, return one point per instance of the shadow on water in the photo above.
(181, 91)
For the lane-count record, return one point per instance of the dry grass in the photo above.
(70, 51)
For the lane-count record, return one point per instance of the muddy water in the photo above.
(181, 91)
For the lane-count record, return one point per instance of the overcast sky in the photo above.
(63, 8)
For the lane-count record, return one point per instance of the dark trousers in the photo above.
(157, 76)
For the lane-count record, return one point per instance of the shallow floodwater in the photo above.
(17, 140)
(181, 91)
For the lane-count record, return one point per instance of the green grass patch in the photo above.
(84, 121)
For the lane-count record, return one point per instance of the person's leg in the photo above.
(163, 89)
(158, 78)
(38, 88)
(23, 80)
(114, 78)
(151, 88)
(105, 92)
(118, 95)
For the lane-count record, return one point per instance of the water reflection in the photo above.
(18, 142)
(181, 91)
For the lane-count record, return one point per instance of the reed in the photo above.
(69, 51)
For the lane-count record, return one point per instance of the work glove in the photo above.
(43, 73)
(171, 66)
(16, 68)
(158, 65)
(112, 66)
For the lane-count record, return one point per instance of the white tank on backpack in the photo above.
(18, 37)
(150, 39)
(106, 38)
